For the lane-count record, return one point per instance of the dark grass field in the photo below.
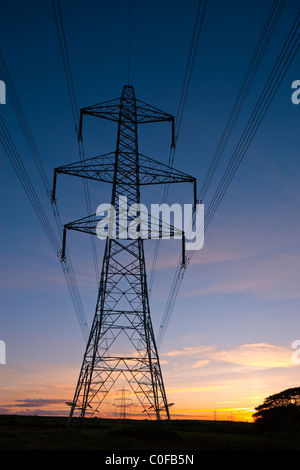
(50, 433)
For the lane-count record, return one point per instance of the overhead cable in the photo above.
(71, 91)
(28, 187)
(178, 120)
(284, 60)
(30, 191)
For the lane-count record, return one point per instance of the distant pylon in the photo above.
(121, 344)
(123, 402)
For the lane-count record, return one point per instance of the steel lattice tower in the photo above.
(121, 344)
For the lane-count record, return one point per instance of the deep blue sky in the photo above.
(243, 287)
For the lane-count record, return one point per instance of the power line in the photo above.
(257, 57)
(71, 91)
(31, 193)
(26, 182)
(190, 64)
(66, 62)
(23, 123)
(286, 56)
(243, 92)
(182, 102)
(276, 76)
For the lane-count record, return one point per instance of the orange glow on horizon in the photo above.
(206, 394)
(211, 414)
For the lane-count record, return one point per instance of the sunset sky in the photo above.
(228, 344)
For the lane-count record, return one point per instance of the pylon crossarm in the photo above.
(157, 229)
(102, 168)
(145, 113)
(121, 109)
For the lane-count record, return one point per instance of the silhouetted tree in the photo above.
(279, 410)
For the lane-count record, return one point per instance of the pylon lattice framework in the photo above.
(121, 342)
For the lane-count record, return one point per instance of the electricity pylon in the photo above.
(121, 343)
(122, 403)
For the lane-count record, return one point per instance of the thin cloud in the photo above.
(40, 402)
(258, 354)
(200, 363)
(262, 355)
(272, 276)
(190, 351)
